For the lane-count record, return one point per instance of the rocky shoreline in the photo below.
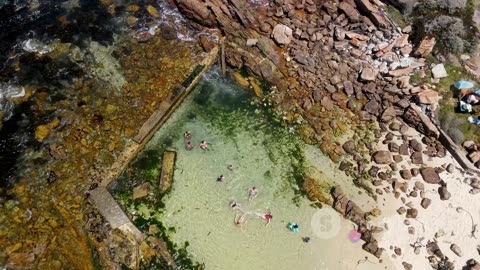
(344, 65)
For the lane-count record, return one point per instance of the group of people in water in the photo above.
(189, 145)
(240, 220)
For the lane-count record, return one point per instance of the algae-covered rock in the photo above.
(41, 133)
(240, 79)
(153, 11)
(317, 191)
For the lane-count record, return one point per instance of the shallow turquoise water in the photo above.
(263, 155)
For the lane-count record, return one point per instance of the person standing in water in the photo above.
(252, 193)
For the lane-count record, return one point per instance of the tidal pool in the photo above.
(242, 133)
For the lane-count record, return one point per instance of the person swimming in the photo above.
(293, 226)
(221, 178)
(204, 145)
(307, 239)
(187, 135)
(252, 193)
(240, 221)
(234, 204)
(189, 146)
(267, 216)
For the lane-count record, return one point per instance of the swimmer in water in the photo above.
(240, 221)
(252, 193)
(187, 135)
(221, 178)
(204, 145)
(307, 240)
(189, 146)
(268, 217)
(235, 205)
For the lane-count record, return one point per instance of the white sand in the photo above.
(440, 215)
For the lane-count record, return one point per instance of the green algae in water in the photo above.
(243, 132)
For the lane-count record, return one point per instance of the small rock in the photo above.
(456, 249)
(439, 71)
(369, 74)
(407, 266)
(425, 203)
(444, 194)
(417, 158)
(450, 168)
(430, 175)
(412, 213)
(406, 174)
(382, 157)
(419, 185)
(252, 42)
(349, 147)
(398, 251)
(282, 34)
(401, 210)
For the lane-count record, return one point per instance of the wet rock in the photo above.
(20, 260)
(153, 11)
(412, 213)
(57, 151)
(444, 193)
(429, 175)
(207, 43)
(143, 36)
(382, 157)
(425, 203)
(41, 132)
(456, 249)
(141, 190)
(282, 34)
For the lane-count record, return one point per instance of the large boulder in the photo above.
(382, 157)
(282, 34)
